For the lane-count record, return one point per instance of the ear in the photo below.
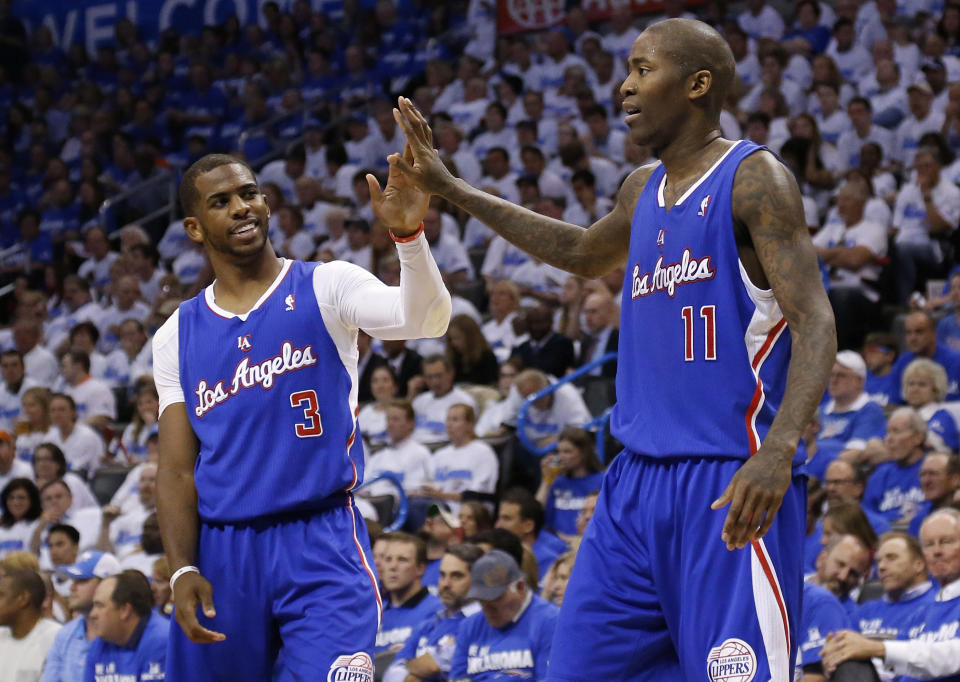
(193, 229)
(699, 83)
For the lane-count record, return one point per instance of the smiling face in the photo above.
(231, 214)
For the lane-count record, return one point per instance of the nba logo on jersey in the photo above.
(356, 667)
(732, 661)
(243, 343)
(291, 304)
(703, 206)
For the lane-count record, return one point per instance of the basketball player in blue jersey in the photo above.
(726, 342)
(259, 453)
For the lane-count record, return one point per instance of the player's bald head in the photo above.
(695, 46)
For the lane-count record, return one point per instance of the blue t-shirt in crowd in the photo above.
(566, 498)
(398, 622)
(547, 548)
(950, 359)
(143, 658)
(944, 426)
(948, 333)
(521, 650)
(938, 621)
(885, 619)
(822, 614)
(437, 636)
(893, 491)
(67, 659)
(879, 388)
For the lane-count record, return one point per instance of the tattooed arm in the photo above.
(589, 252)
(777, 252)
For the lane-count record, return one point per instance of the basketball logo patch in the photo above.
(732, 661)
(356, 667)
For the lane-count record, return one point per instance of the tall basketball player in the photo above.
(726, 342)
(259, 451)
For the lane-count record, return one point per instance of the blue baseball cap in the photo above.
(492, 574)
(92, 564)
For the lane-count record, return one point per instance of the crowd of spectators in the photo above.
(860, 98)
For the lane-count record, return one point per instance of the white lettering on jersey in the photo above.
(941, 634)
(485, 660)
(248, 376)
(667, 277)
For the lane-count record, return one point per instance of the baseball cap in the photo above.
(492, 574)
(922, 86)
(443, 511)
(852, 361)
(92, 564)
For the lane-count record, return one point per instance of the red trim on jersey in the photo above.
(755, 403)
(363, 559)
(768, 571)
(408, 238)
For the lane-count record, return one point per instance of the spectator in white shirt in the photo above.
(573, 157)
(504, 307)
(78, 306)
(850, 250)
(832, 120)
(120, 529)
(468, 113)
(19, 509)
(10, 466)
(760, 20)
(604, 140)
(449, 138)
(94, 400)
(521, 64)
(126, 305)
(773, 60)
(496, 134)
(549, 415)
(96, 269)
(132, 359)
(314, 210)
(588, 207)
(431, 406)
(925, 207)
(549, 184)
(358, 251)
(618, 39)
(557, 60)
(405, 458)
(889, 99)
(26, 636)
(447, 250)
(40, 365)
(498, 174)
(373, 416)
(747, 64)
(922, 119)
(15, 384)
(284, 172)
(862, 131)
(81, 445)
(297, 242)
(387, 137)
(50, 464)
(465, 464)
(57, 500)
(853, 60)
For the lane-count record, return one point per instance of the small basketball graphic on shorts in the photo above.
(732, 661)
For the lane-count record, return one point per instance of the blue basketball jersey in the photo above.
(269, 400)
(704, 352)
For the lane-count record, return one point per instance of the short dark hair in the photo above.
(189, 196)
(29, 581)
(58, 457)
(584, 176)
(404, 405)
(88, 327)
(530, 508)
(861, 100)
(35, 509)
(81, 357)
(14, 352)
(67, 530)
(148, 251)
(437, 357)
(913, 544)
(467, 552)
(499, 150)
(420, 547)
(64, 396)
(502, 539)
(132, 587)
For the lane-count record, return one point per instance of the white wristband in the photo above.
(180, 571)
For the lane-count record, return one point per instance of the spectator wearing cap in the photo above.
(893, 490)
(428, 652)
(409, 603)
(28, 636)
(850, 418)
(10, 466)
(68, 655)
(131, 640)
(513, 634)
(935, 73)
(15, 383)
(940, 482)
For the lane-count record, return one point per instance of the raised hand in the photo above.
(401, 205)
(425, 169)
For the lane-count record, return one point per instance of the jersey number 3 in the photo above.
(311, 413)
(709, 315)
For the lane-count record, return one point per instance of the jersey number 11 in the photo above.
(709, 314)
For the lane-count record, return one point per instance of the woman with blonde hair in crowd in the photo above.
(468, 351)
(557, 577)
(924, 387)
(568, 475)
(35, 426)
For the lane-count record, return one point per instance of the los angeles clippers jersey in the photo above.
(704, 352)
(269, 400)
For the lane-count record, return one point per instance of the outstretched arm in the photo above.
(589, 252)
(766, 200)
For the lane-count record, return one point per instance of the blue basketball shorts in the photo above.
(296, 598)
(656, 596)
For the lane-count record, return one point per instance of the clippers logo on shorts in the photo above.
(356, 667)
(250, 375)
(732, 661)
(668, 276)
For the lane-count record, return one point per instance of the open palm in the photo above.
(401, 205)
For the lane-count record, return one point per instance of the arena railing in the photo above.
(169, 177)
(597, 424)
